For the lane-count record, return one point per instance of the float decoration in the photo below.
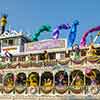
(92, 50)
(3, 23)
(90, 73)
(77, 81)
(61, 82)
(46, 82)
(56, 31)
(20, 83)
(43, 28)
(91, 54)
(92, 80)
(33, 82)
(75, 52)
(9, 83)
(83, 39)
(72, 34)
(75, 55)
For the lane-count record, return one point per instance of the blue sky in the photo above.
(29, 15)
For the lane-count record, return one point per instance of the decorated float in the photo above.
(49, 67)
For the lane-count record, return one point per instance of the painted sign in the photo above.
(46, 44)
(9, 82)
(86, 82)
(20, 84)
(47, 82)
(61, 82)
(33, 82)
(77, 81)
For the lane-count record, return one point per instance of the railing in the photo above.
(43, 63)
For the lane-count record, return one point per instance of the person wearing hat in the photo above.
(45, 57)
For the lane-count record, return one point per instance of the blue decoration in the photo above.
(72, 35)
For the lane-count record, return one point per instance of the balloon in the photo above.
(83, 39)
(72, 34)
(43, 28)
(56, 31)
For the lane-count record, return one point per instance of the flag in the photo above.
(8, 54)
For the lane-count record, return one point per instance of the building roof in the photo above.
(13, 34)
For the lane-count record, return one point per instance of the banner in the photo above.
(46, 44)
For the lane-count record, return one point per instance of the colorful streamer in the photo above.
(72, 35)
(43, 28)
(83, 39)
(56, 31)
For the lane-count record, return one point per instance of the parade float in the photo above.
(36, 68)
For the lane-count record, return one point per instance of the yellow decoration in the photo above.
(79, 83)
(47, 87)
(92, 50)
(92, 76)
(98, 34)
(33, 81)
(48, 83)
(3, 21)
(10, 83)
